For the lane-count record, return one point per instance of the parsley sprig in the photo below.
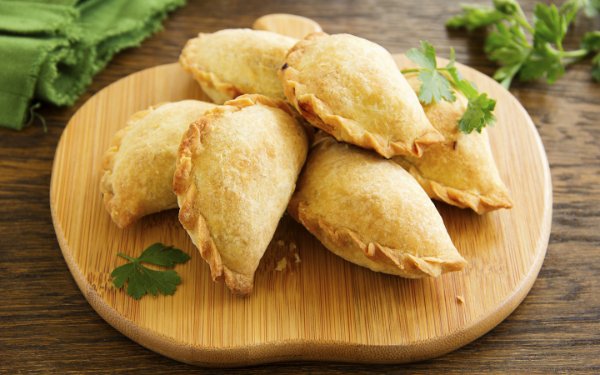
(531, 51)
(437, 83)
(142, 280)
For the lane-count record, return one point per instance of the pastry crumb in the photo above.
(297, 258)
(460, 299)
(280, 243)
(293, 246)
(281, 264)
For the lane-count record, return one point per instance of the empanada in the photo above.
(371, 212)
(139, 165)
(232, 62)
(352, 89)
(460, 171)
(236, 171)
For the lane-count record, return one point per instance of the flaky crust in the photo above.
(236, 171)
(137, 168)
(232, 62)
(371, 212)
(460, 171)
(351, 88)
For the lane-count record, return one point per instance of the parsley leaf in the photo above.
(569, 9)
(541, 55)
(424, 56)
(508, 47)
(161, 255)
(478, 114)
(142, 280)
(434, 86)
(596, 67)
(550, 26)
(474, 17)
(542, 62)
(591, 41)
(437, 84)
(591, 8)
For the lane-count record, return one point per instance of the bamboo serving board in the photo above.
(318, 307)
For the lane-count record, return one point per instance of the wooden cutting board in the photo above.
(320, 307)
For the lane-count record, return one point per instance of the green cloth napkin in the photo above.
(50, 50)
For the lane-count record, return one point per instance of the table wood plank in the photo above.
(47, 326)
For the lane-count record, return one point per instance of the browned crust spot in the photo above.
(120, 217)
(319, 114)
(480, 203)
(189, 216)
(205, 78)
(248, 100)
(406, 265)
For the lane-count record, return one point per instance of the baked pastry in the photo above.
(351, 88)
(139, 165)
(371, 212)
(460, 171)
(232, 62)
(236, 171)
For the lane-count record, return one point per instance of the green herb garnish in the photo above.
(591, 42)
(142, 280)
(437, 84)
(525, 51)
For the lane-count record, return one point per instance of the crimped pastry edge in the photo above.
(121, 218)
(480, 203)
(186, 191)
(400, 264)
(218, 90)
(193, 222)
(321, 116)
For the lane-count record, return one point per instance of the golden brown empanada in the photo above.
(232, 62)
(371, 212)
(460, 171)
(236, 171)
(352, 89)
(139, 165)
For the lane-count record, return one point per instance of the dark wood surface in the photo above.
(47, 326)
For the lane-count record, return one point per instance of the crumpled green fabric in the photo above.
(50, 50)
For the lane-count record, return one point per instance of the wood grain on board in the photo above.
(47, 326)
(320, 307)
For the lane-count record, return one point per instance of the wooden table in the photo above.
(46, 325)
